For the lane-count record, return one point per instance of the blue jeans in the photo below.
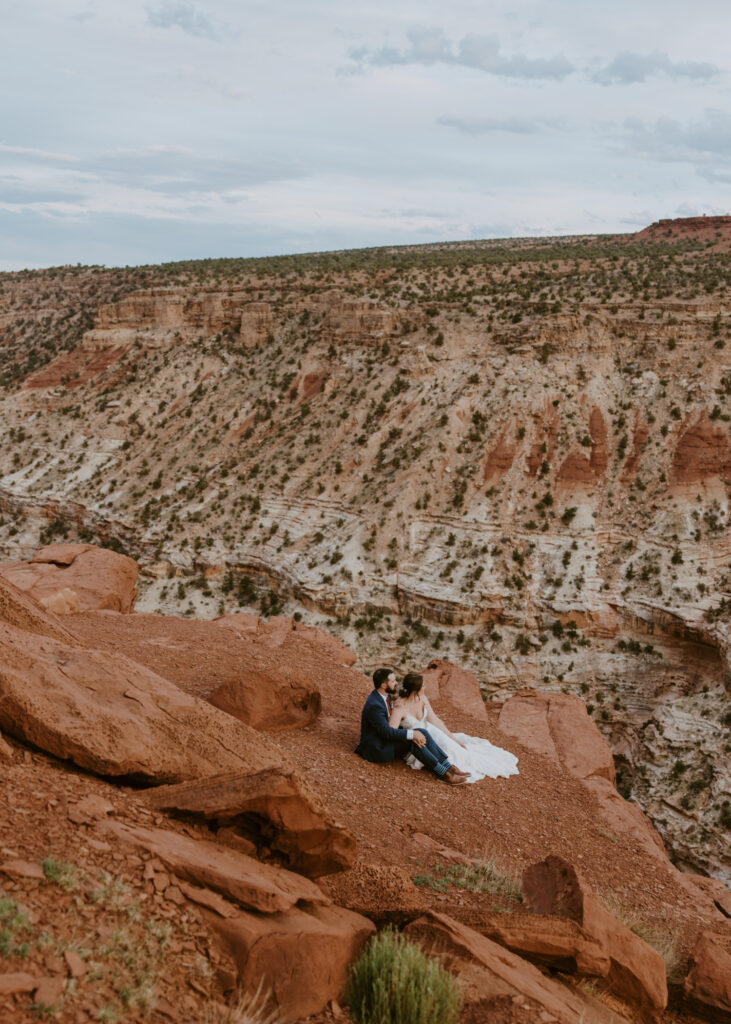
(431, 756)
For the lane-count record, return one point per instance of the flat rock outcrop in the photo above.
(715, 889)
(623, 816)
(22, 612)
(557, 725)
(490, 974)
(302, 956)
(114, 717)
(553, 942)
(265, 673)
(636, 971)
(250, 883)
(300, 827)
(70, 578)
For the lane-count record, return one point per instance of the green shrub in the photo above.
(394, 982)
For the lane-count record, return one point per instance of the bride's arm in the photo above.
(435, 720)
(397, 715)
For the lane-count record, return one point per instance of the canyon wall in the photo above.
(516, 456)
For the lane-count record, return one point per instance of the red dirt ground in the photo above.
(398, 816)
(515, 821)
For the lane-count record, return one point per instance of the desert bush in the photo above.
(394, 982)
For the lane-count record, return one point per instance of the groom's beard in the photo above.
(391, 690)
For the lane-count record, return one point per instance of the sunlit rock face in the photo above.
(513, 456)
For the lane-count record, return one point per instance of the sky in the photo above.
(157, 130)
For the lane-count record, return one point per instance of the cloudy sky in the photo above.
(155, 130)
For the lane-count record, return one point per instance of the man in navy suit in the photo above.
(379, 742)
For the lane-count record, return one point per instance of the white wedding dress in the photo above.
(481, 759)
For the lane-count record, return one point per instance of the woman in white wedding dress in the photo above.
(467, 753)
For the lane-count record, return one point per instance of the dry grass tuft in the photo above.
(248, 1009)
(483, 875)
(656, 934)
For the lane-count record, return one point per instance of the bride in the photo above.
(467, 753)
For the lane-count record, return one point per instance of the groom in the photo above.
(379, 742)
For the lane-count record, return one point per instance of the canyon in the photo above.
(513, 455)
(166, 855)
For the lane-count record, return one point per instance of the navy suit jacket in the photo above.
(378, 741)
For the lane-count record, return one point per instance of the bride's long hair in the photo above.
(412, 683)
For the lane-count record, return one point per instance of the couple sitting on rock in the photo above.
(409, 729)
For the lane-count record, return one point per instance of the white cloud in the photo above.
(515, 125)
(183, 15)
(528, 140)
(37, 154)
(429, 46)
(701, 140)
(627, 68)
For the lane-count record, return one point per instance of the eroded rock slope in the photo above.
(512, 454)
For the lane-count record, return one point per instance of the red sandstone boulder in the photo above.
(448, 684)
(69, 578)
(105, 712)
(636, 972)
(300, 827)
(553, 942)
(246, 881)
(114, 717)
(272, 697)
(302, 956)
(558, 726)
(61, 555)
(491, 975)
(21, 611)
(385, 894)
(707, 988)
(268, 675)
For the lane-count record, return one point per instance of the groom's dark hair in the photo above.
(380, 676)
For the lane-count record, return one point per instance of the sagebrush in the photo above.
(394, 982)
